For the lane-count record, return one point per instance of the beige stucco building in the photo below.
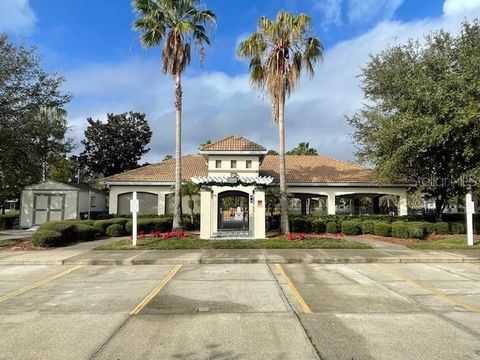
(234, 175)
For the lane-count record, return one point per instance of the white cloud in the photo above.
(356, 11)
(16, 16)
(452, 7)
(331, 11)
(367, 10)
(217, 104)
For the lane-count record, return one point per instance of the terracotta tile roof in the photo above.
(192, 165)
(233, 143)
(300, 169)
(317, 169)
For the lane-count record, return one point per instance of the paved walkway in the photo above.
(83, 254)
(15, 234)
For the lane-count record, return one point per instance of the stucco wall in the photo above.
(160, 190)
(226, 169)
(84, 202)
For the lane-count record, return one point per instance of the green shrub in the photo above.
(66, 228)
(428, 227)
(8, 220)
(351, 227)
(416, 230)
(400, 229)
(301, 225)
(85, 232)
(382, 229)
(46, 238)
(442, 228)
(457, 228)
(161, 224)
(83, 222)
(332, 227)
(101, 226)
(319, 226)
(368, 226)
(115, 230)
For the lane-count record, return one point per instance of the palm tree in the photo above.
(278, 52)
(190, 189)
(303, 148)
(177, 24)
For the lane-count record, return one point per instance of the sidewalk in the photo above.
(82, 254)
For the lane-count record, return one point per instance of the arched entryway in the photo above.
(233, 211)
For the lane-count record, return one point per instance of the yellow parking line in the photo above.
(39, 283)
(294, 291)
(465, 306)
(155, 291)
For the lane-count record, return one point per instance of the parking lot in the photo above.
(241, 311)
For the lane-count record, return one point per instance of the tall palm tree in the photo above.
(278, 52)
(176, 24)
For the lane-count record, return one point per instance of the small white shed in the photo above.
(53, 200)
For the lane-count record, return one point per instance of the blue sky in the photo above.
(92, 44)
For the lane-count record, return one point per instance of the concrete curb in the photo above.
(239, 260)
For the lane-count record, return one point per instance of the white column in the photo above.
(259, 214)
(402, 204)
(205, 214)
(251, 212)
(161, 203)
(470, 209)
(331, 203)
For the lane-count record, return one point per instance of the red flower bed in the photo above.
(167, 235)
(295, 237)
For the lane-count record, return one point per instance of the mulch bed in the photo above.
(391, 240)
(23, 245)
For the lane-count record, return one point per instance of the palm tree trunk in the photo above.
(283, 184)
(191, 205)
(177, 213)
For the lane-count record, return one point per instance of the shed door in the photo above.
(47, 207)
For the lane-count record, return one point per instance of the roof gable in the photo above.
(233, 143)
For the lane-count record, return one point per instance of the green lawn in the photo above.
(194, 243)
(448, 242)
(7, 242)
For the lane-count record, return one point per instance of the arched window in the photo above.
(148, 203)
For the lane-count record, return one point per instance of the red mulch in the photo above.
(23, 245)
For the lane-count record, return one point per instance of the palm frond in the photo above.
(176, 24)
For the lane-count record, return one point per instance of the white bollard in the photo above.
(470, 210)
(134, 207)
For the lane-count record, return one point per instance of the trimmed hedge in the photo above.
(46, 238)
(115, 230)
(67, 229)
(457, 228)
(319, 226)
(442, 228)
(368, 226)
(382, 228)
(400, 229)
(162, 224)
(101, 226)
(332, 227)
(301, 225)
(417, 230)
(351, 227)
(84, 232)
